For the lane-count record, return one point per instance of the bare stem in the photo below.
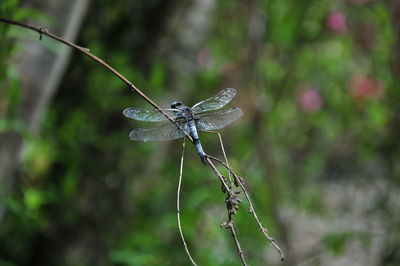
(223, 152)
(238, 248)
(229, 224)
(178, 205)
(218, 174)
(252, 210)
(43, 31)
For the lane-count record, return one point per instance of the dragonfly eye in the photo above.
(175, 104)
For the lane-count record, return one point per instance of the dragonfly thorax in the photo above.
(185, 113)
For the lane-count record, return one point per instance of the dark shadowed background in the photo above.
(318, 145)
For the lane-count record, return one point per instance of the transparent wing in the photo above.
(215, 102)
(161, 132)
(149, 115)
(217, 120)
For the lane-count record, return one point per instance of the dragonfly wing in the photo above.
(149, 115)
(215, 102)
(162, 132)
(217, 120)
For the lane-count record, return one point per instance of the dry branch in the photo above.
(238, 180)
(178, 209)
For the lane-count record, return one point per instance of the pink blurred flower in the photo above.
(362, 88)
(336, 22)
(309, 100)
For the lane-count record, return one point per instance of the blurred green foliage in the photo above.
(321, 105)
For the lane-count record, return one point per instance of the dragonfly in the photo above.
(186, 120)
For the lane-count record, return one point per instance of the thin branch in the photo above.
(229, 224)
(178, 211)
(252, 210)
(218, 174)
(43, 31)
(238, 248)
(223, 152)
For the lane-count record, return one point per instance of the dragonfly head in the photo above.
(175, 105)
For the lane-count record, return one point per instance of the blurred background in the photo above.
(318, 81)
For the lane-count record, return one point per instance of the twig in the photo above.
(229, 224)
(218, 174)
(43, 31)
(223, 152)
(238, 248)
(262, 228)
(178, 205)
